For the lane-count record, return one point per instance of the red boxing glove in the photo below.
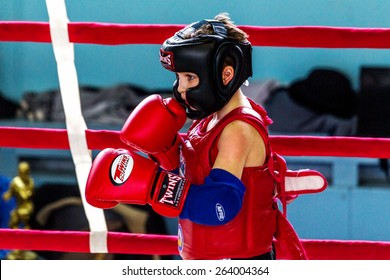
(153, 128)
(118, 175)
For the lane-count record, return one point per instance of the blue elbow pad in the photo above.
(217, 201)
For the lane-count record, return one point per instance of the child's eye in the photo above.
(191, 77)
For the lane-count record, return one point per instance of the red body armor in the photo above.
(251, 232)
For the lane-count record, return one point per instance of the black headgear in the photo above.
(205, 55)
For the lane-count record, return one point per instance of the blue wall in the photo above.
(31, 66)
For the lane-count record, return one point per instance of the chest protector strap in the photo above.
(291, 183)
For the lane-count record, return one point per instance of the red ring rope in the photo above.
(78, 241)
(39, 138)
(149, 244)
(114, 34)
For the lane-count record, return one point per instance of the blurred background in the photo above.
(31, 66)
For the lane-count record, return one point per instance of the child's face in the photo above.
(186, 80)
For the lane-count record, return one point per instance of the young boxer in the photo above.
(229, 179)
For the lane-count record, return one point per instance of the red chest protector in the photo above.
(251, 232)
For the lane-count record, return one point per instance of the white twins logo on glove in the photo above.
(171, 191)
(121, 168)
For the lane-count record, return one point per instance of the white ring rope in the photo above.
(76, 126)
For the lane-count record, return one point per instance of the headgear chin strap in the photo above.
(205, 56)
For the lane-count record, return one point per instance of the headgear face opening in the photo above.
(205, 56)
